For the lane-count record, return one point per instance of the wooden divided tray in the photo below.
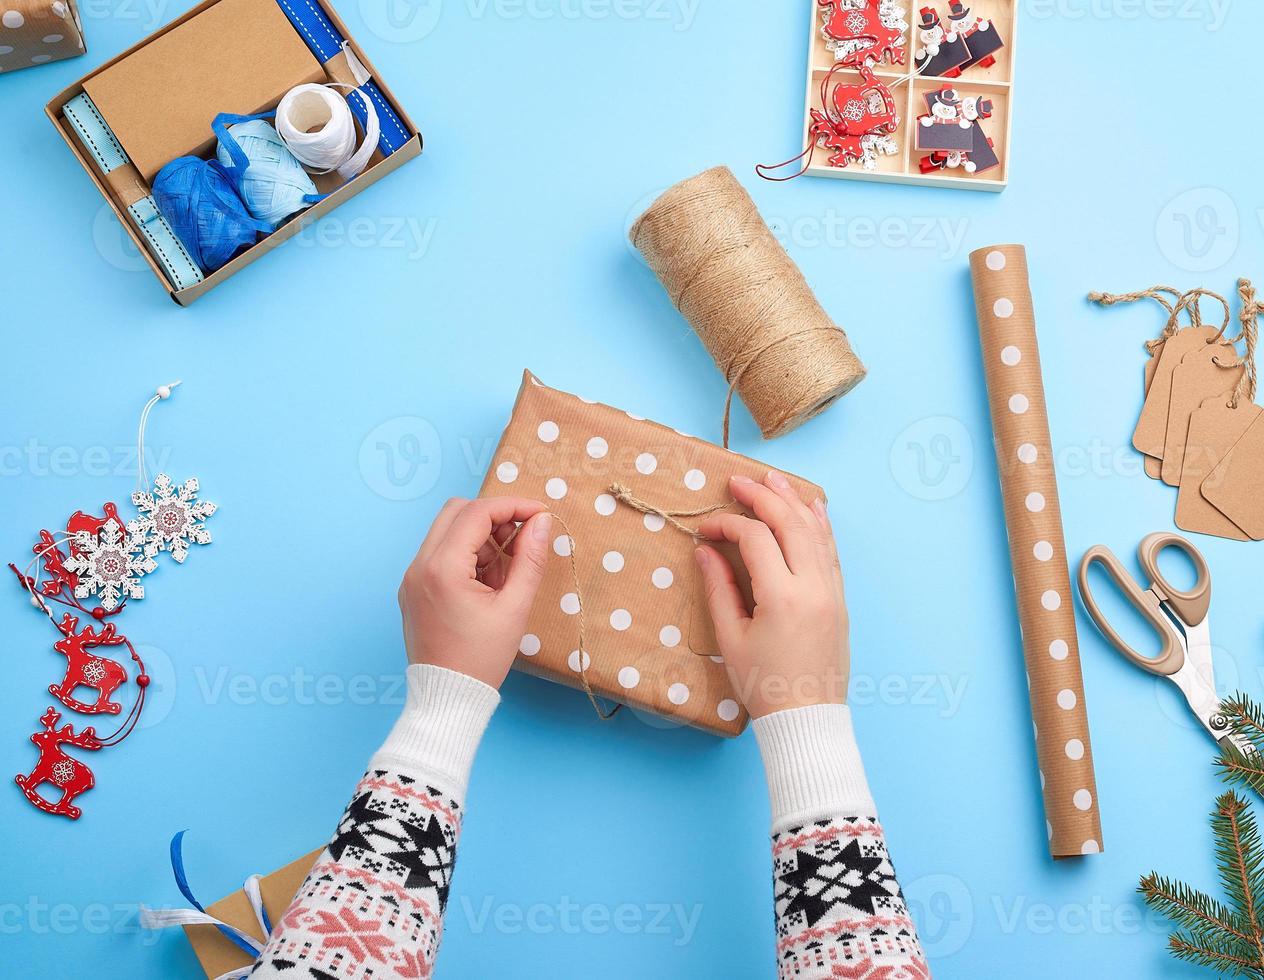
(910, 87)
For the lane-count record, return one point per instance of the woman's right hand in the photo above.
(793, 651)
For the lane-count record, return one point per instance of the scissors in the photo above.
(1181, 621)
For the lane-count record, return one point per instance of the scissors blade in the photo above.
(1197, 681)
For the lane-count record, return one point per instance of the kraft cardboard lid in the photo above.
(235, 56)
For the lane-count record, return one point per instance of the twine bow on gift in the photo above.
(165, 918)
(624, 495)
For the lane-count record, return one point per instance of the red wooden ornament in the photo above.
(849, 116)
(87, 669)
(65, 772)
(864, 27)
(84, 668)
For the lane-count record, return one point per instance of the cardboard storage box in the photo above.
(160, 104)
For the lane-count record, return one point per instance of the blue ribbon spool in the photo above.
(268, 177)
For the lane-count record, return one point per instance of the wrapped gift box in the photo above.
(649, 639)
(218, 954)
(35, 32)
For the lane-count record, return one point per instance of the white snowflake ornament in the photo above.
(110, 564)
(171, 517)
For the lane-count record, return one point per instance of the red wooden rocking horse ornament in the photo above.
(64, 772)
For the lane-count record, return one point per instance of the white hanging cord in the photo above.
(316, 123)
(161, 394)
(31, 581)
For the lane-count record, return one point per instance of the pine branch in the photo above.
(1195, 910)
(1223, 958)
(1240, 857)
(1246, 720)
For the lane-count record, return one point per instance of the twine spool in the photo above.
(747, 301)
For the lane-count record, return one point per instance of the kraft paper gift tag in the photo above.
(1153, 465)
(1151, 432)
(1233, 487)
(1204, 373)
(1213, 430)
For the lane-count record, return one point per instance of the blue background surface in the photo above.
(405, 318)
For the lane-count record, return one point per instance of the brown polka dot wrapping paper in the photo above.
(649, 642)
(1042, 582)
(35, 32)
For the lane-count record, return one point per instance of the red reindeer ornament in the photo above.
(86, 669)
(864, 34)
(851, 116)
(63, 771)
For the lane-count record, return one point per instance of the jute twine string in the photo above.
(1188, 303)
(502, 553)
(1248, 316)
(748, 302)
(624, 495)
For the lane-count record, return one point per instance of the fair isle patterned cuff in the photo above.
(839, 909)
(812, 763)
(440, 727)
(373, 905)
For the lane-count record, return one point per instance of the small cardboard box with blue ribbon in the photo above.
(178, 134)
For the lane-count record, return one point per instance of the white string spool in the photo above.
(316, 124)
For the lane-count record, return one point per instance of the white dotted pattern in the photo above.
(622, 592)
(1021, 433)
(555, 487)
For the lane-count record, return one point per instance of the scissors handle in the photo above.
(1172, 656)
(1191, 606)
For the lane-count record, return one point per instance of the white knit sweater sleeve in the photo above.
(373, 904)
(838, 906)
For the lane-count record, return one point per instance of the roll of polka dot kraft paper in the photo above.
(35, 32)
(625, 493)
(1033, 519)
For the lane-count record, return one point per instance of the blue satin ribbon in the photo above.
(325, 41)
(182, 882)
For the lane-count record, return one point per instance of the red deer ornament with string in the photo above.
(865, 35)
(63, 771)
(851, 113)
(87, 669)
